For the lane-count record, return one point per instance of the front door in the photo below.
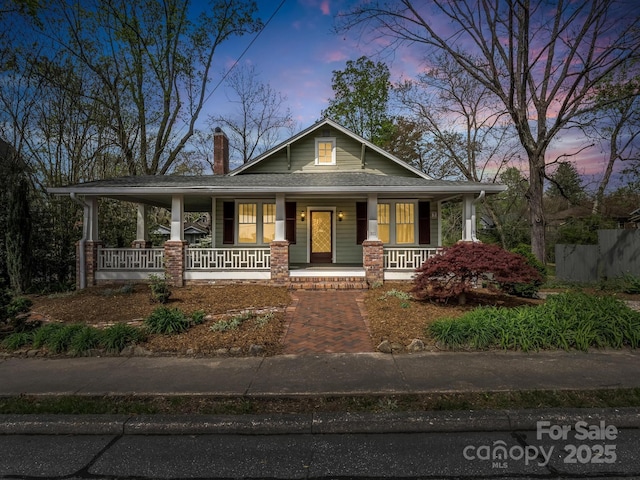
(321, 236)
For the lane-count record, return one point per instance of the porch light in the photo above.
(303, 215)
(340, 216)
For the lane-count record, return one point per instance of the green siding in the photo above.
(347, 249)
(347, 158)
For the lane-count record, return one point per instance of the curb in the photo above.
(313, 423)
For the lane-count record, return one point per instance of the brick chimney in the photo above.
(220, 152)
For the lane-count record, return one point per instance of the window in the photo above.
(405, 223)
(247, 223)
(325, 151)
(268, 222)
(383, 222)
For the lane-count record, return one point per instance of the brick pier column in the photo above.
(90, 262)
(280, 261)
(373, 261)
(174, 262)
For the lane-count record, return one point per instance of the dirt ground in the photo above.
(400, 321)
(390, 318)
(105, 306)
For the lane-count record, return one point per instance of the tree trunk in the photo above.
(536, 211)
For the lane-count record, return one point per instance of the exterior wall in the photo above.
(347, 249)
(347, 158)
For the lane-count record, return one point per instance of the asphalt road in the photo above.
(459, 455)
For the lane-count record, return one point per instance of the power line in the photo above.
(224, 77)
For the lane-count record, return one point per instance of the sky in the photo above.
(296, 54)
(298, 50)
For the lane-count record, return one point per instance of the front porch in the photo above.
(213, 265)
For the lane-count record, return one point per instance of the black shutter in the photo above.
(361, 222)
(424, 223)
(290, 222)
(228, 217)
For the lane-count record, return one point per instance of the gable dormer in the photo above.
(328, 147)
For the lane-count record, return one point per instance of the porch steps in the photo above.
(327, 283)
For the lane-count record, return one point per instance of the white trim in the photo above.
(222, 275)
(399, 275)
(333, 230)
(331, 140)
(123, 275)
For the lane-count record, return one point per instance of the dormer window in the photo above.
(326, 151)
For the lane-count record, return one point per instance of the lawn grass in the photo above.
(136, 405)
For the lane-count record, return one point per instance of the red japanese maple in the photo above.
(459, 268)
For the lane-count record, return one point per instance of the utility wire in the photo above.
(224, 77)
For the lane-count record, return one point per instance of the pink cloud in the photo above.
(325, 7)
(335, 56)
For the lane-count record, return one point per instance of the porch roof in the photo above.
(157, 190)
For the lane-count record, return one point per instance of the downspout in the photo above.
(83, 240)
(474, 238)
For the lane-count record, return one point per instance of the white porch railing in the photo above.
(407, 258)
(150, 259)
(228, 258)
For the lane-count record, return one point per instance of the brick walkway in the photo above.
(327, 322)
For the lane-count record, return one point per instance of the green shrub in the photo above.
(630, 284)
(263, 320)
(160, 289)
(166, 321)
(233, 323)
(19, 305)
(17, 340)
(198, 317)
(568, 320)
(59, 339)
(85, 339)
(118, 336)
(42, 335)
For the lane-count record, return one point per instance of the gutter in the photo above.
(83, 240)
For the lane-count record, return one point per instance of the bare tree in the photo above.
(259, 119)
(541, 60)
(149, 62)
(615, 126)
(469, 137)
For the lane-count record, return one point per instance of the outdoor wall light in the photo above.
(302, 216)
(340, 216)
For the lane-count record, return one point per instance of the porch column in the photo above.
(174, 254)
(87, 247)
(280, 217)
(142, 233)
(372, 216)
(468, 219)
(213, 222)
(279, 261)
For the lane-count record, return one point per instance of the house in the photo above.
(193, 232)
(324, 207)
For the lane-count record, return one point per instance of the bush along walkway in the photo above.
(328, 321)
